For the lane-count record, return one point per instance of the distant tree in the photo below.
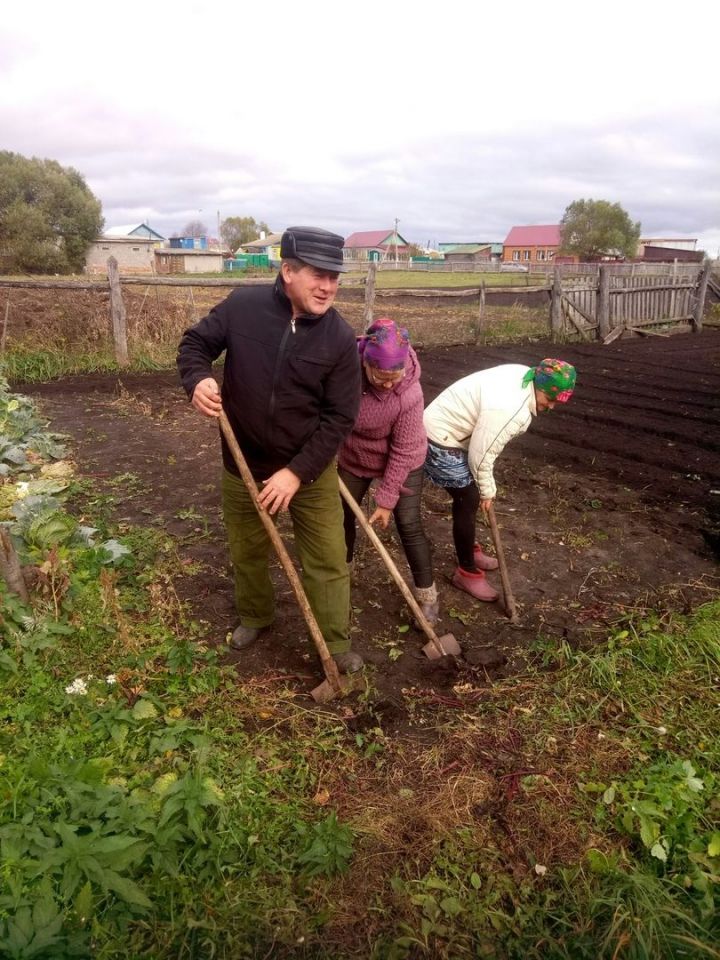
(414, 250)
(48, 215)
(594, 228)
(195, 228)
(236, 231)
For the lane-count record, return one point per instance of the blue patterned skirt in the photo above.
(447, 467)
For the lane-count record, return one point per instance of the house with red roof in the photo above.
(531, 245)
(376, 245)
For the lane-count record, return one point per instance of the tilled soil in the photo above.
(608, 504)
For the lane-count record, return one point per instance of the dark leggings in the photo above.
(465, 503)
(407, 520)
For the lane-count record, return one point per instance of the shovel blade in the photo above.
(449, 645)
(348, 684)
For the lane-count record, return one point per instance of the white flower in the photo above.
(110, 679)
(77, 688)
(540, 869)
(661, 730)
(21, 489)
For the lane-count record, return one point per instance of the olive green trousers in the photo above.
(317, 519)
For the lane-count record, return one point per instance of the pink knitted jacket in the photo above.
(388, 439)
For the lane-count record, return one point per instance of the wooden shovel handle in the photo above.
(507, 589)
(329, 665)
(390, 564)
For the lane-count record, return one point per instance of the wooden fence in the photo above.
(614, 299)
(595, 301)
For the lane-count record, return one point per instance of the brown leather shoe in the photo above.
(482, 560)
(475, 584)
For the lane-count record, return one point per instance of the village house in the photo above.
(133, 255)
(669, 249)
(376, 245)
(140, 231)
(133, 246)
(178, 260)
(531, 245)
(475, 252)
(268, 246)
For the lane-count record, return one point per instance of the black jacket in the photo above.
(291, 397)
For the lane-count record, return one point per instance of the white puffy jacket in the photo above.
(480, 414)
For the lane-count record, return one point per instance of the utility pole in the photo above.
(396, 239)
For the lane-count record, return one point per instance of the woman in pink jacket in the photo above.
(388, 443)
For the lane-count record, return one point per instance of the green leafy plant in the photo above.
(329, 847)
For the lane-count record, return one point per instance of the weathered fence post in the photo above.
(556, 306)
(10, 569)
(604, 303)
(369, 294)
(480, 325)
(700, 299)
(3, 338)
(117, 312)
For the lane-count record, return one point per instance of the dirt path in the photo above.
(606, 505)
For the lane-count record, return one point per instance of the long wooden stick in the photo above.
(329, 665)
(392, 568)
(508, 598)
(10, 569)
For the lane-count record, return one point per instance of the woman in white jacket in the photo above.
(468, 425)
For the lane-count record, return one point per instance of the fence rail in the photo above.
(600, 301)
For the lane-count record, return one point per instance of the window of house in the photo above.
(136, 249)
(551, 254)
(105, 248)
(516, 255)
(541, 255)
(526, 254)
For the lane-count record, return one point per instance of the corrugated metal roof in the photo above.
(104, 238)
(187, 252)
(121, 231)
(127, 230)
(466, 248)
(547, 235)
(372, 238)
(271, 240)
(447, 244)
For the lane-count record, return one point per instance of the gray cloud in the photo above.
(665, 171)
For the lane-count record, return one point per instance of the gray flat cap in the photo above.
(315, 246)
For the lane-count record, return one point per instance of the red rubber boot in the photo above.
(482, 560)
(475, 584)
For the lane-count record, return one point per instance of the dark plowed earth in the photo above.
(607, 505)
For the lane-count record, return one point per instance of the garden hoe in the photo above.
(437, 647)
(508, 598)
(334, 685)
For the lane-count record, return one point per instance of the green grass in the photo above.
(22, 364)
(406, 279)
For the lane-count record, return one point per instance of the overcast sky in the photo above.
(461, 119)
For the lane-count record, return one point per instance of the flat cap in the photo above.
(315, 246)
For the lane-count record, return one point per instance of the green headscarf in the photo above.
(555, 378)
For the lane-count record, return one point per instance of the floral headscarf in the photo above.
(385, 345)
(555, 378)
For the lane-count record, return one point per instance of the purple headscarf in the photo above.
(384, 345)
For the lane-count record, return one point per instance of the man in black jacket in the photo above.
(291, 390)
